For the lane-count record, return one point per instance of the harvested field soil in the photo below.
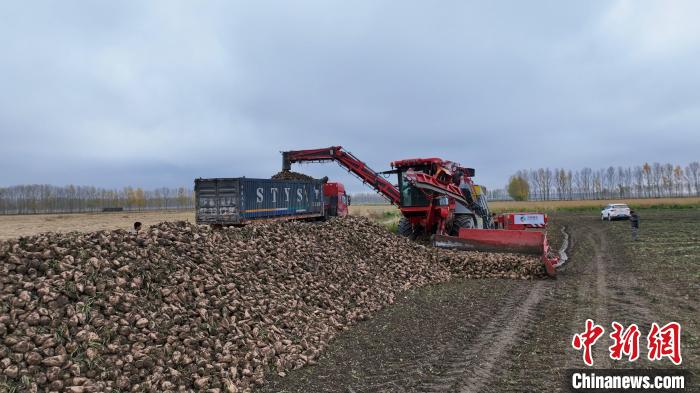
(182, 307)
(592, 205)
(493, 335)
(612, 278)
(554, 206)
(291, 175)
(425, 342)
(12, 226)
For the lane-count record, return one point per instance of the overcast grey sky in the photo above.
(157, 93)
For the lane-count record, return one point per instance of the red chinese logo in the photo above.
(626, 342)
(586, 340)
(665, 342)
(662, 342)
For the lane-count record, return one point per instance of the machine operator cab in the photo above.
(445, 172)
(410, 195)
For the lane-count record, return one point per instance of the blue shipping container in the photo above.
(230, 201)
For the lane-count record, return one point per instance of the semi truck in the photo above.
(238, 201)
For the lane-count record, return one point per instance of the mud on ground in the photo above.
(515, 336)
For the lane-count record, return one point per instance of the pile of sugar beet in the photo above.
(290, 175)
(181, 307)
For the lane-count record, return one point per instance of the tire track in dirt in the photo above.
(600, 260)
(462, 363)
(626, 306)
(510, 327)
(458, 358)
(470, 368)
(593, 293)
(396, 375)
(602, 282)
(613, 299)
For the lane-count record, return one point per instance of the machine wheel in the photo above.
(462, 221)
(405, 228)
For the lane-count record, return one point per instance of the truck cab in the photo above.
(337, 201)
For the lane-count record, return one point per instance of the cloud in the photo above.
(157, 93)
(652, 29)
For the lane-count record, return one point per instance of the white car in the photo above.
(615, 211)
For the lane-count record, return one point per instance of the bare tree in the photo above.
(537, 188)
(569, 185)
(598, 187)
(678, 180)
(667, 179)
(562, 183)
(166, 194)
(587, 182)
(693, 173)
(548, 181)
(638, 181)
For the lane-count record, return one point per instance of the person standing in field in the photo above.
(136, 229)
(634, 222)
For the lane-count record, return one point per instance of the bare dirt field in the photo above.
(515, 336)
(12, 226)
(592, 204)
(31, 224)
(378, 210)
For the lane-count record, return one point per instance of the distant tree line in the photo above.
(367, 198)
(44, 198)
(643, 181)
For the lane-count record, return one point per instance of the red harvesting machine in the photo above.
(438, 198)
